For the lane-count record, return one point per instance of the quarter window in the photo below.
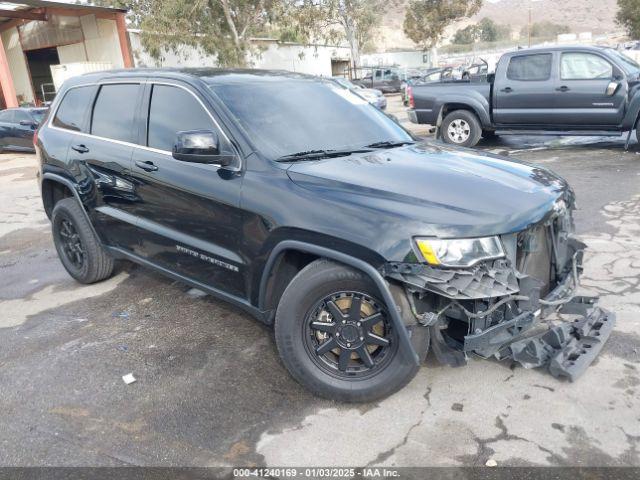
(584, 66)
(173, 110)
(530, 67)
(114, 112)
(71, 112)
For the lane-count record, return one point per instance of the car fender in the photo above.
(633, 112)
(73, 187)
(471, 100)
(409, 353)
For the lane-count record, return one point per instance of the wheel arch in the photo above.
(310, 252)
(55, 187)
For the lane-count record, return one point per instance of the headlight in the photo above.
(460, 252)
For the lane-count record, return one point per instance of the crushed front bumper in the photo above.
(566, 348)
(569, 348)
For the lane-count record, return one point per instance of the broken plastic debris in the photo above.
(491, 463)
(128, 378)
(121, 314)
(194, 292)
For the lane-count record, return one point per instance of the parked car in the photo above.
(373, 96)
(576, 90)
(429, 76)
(476, 72)
(385, 79)
(17, 126)
(302, 204)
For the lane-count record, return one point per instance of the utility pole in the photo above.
(529, 26)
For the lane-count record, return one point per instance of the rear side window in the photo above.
(114, 112)
(530, 67)
(174, 110)
(6, 116)
(72, 109)
(584, 66)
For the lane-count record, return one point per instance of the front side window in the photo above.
(21, 116)
(584, 66)
(530, 67)
(114, 112)
(71, 112)
(173, 110)
(298, 115)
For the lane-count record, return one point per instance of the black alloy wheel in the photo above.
(348, 334)
(71, 243)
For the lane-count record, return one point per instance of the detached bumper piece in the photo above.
(568, 349)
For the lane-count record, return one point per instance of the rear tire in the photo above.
(79, 250)
(320, 358)
(462, 128)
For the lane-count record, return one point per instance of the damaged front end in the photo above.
(495, 306)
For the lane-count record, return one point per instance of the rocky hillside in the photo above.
(596, 16)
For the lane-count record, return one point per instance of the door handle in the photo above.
(563, 88)
(507, 90)
(147, 166)
(80, 148)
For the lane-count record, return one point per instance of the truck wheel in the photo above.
(79, 250)
(336, 338)
(461, 127)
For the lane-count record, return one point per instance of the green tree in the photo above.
(333, 20)
(222, 28)
(490, 31)
(466, 35)
(629, 17)
(544, 29)
(426, 20)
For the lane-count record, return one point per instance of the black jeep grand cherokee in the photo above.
(299, 202)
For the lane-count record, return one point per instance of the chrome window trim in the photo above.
(136, 145)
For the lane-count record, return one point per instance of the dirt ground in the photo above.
(211, 390)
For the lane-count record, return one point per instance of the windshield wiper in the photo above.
(317, 154)
(389, 144)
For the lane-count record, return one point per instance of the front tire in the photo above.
(461, 128)
(336, 337)
(80, 252)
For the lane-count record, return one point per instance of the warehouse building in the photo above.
(42, 43)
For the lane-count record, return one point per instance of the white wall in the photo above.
(313, 60)
(408, 59)
(101, 43)
(17, 65)
(277, 56)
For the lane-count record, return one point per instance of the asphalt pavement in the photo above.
(211, 391)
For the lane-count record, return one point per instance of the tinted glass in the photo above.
(584, 66)
(6, 116)
(629, 65)
(73, 107)
(38, 115)
(530, 67)
(174, 110)
(20, 116)
(291, 116)
(114, 112)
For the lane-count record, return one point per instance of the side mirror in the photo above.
(200, 146)
(612, 88)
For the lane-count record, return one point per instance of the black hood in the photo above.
(448, 191)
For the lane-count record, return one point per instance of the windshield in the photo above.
(38, 115)
(291, 115)
(345, 83)
(629, 65)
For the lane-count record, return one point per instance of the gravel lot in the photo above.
(211, 391)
